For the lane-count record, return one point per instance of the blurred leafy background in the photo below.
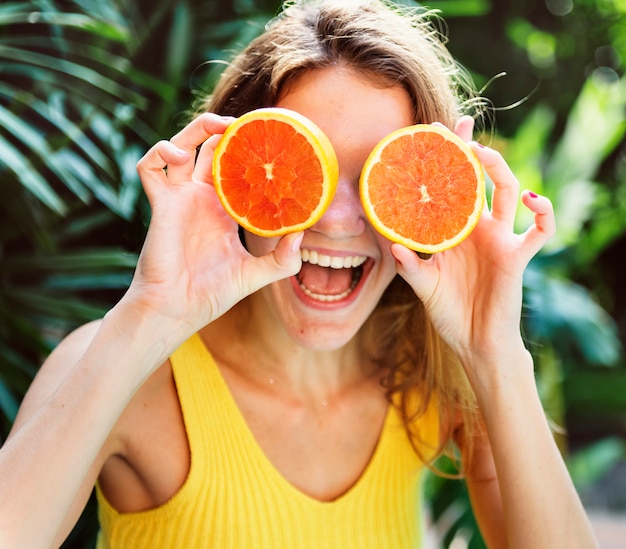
(87, 86)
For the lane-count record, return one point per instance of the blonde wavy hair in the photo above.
(393, 45)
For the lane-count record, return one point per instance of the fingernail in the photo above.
(423, 255)
(480, 145)
(295, 243)
(532, 194)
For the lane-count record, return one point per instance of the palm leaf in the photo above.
(14, 13)
(566, 315)
(25, 171)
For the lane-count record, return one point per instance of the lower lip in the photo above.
(332, 305)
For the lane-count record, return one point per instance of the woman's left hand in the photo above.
(473, 292)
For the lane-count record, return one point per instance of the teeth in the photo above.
(334, 262)
(329, 298)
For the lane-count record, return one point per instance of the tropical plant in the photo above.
(81, 99)
(564, 326)
(571, 149)
(85, 88)
(66, 164)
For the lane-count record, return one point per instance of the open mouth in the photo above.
(329, 278)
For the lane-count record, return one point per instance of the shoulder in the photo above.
(56, 367)
(73, 345)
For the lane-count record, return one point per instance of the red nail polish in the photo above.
(532, 194)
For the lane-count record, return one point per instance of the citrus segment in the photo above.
(274, 171)
(422, 186)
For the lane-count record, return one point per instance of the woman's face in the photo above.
(323, 307)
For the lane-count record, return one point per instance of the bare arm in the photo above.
(481, 479)
(191, 270)
(530, 467)
(65, 430)
(473, 294)
(519, 463)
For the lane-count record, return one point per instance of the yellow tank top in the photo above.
(234, 498)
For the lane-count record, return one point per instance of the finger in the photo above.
(505, 193)
(284, 261)
(199, 130)
(544, 228)
(193, 136)
(464, 128)
(418, 273)
(150, 167)
(204, 161)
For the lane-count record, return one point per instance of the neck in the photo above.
(263, 354)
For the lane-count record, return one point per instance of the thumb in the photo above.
(283, 262)
(419, 273)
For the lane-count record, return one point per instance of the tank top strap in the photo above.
(201, 391)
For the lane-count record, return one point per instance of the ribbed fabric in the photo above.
(234, 498)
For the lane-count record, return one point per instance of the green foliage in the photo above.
(569, 145)
(566, 317)
(66, 164)
(85, 88)
(81, 100)
(589, 464)
(450, 509)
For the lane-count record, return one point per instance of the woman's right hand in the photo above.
(193, 267)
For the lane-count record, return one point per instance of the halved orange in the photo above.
(422, 186)
(274, 171)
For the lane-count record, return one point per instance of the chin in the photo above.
(322, 338)
(322, 327)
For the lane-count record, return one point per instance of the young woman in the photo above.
(241, 394)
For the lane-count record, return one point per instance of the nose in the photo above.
(344, 217)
